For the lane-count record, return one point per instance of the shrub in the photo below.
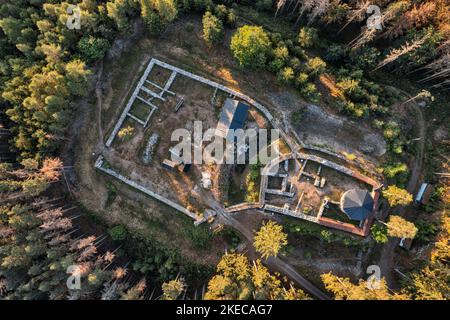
(264, 5)
(298, 115)
(348, 85)
(379, 233)
(231, 18)
(212, 29)
(309, 92)
(307, 37)
(189, 27)
(231, 237)
(221, 12)
(365, 58)
(281, 53)
(335, 53)
(426, 230)
(301, 79)
(286, 75)
(276, 65)
(315, 66)
(391, 130)
(327, 236)
(126, 133)
(395, 169)
(155, 24)
(295, 63)
(92, 49)
(299, 52)
(200, 237)
(118, 233)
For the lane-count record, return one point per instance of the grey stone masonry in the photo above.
(291, 213)
(232, 92)
(129, 104)
(244, 206)
(280, 193)
(149, 148)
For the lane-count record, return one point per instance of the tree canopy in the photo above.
(270, 239)
(250, 45)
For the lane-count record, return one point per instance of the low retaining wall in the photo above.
(244, 206)
(327, 222)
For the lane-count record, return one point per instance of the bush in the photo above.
(212, 29)
(155, 25)
(315, 66)
(335, 53)
(281, 53)
(200, 237)
(307, 37)
(366, 58)
(276, 65)
(295, 63)
(231, 237)
(379, 233)
(118, 233)
(297, 116)
(221, 12)
(426, 230)
(313, 230)
(391, 130)
(189, 27)
(231, 18)
(264, 5)
(92, 49)
(286, 75)
(250, 45)
(301, 79)
(126, 133)
(393, 170)
(309, 92)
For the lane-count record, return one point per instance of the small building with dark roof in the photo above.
(357, 204)
(169, 165)
(424, 194)
(233, 116)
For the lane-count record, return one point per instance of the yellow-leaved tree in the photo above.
(270, 239)
(344, 289)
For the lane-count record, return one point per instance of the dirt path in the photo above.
(388, 252)
(273, 263)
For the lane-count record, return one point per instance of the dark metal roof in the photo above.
(233, 116)
(357, 204)
(239, 117)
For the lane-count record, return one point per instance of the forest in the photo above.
(46, 68)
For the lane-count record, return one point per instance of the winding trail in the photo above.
(386, 261)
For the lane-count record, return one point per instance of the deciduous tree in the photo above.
(250, 45)
(270, 239)
(397, 196)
